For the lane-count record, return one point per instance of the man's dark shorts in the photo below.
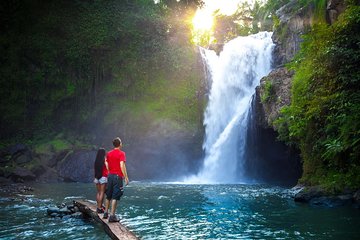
(115, 187)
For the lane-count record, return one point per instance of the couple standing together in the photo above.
(110, 174)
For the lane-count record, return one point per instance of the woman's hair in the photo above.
(99, 162)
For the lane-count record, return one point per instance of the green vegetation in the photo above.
(269, 93)
(246, 20)
(323, 119)
(55, 145)
(82, 67)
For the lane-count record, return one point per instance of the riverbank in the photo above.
(318, 196)
(9, 188)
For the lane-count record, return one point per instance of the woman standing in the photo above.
(100, 180)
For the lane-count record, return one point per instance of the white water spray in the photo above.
(234, 76)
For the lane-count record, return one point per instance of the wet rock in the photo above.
(38, 170)
(315, 196)
(53, 210)
(20, 154)
(20, 174)
(306, 194)
(65, 211)
(17, 148)
(53, 161)
(49, 175)
(356, 198)
(217, 47)
(332, 201)
(22, 158)
(78, 166)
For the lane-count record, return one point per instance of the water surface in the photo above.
(179, 211)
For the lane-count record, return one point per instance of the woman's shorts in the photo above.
(115, 187)
(102, 180)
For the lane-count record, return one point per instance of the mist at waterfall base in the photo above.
(232, 139)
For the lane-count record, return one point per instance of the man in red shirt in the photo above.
(115, 163)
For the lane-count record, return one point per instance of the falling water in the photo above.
(234, 75)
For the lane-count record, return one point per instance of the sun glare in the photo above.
(203, 20)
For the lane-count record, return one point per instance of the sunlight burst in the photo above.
(203, 20)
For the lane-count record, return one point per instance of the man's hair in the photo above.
(117, 142)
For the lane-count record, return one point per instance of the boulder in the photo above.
(21, 174)
(356, 197)
(65, 211)
(217, 47)
(306, 194)
(77, 166)
(4, 156)
(332, 201)
(52, 210)
(49, 175)
(17, 148)
(20, 154)
(317, 197)
(52, 162)
(22, 158)
(38, 170)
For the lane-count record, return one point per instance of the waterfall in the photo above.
(234, 75)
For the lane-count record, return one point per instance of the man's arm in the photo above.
(106, 164)
(123, 169)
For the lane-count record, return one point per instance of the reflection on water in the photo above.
(176, 211)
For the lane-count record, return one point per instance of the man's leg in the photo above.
(108, 193)
(113, 206)
(107, 204)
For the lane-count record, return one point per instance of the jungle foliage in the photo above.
(84, 66)
(323, 119)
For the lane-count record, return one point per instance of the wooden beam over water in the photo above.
(114, 229)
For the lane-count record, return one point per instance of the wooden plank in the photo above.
(114, 229)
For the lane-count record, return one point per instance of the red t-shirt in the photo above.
(113, 158)
(104, 171)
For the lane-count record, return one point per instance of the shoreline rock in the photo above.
(64, 211)
(9, 188)
(317, 196)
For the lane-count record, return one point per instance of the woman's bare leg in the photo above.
(101, 194)
(98, 195)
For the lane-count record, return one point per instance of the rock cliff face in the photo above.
(333, 10)
(273, 94)
(294, 22)
(274, 91)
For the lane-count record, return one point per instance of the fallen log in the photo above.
(114, 229)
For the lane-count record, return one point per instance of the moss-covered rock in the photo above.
(274, 92)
